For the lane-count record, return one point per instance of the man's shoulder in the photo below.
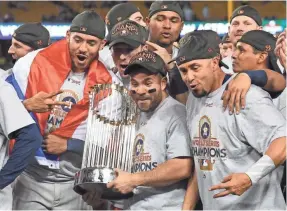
(173, 108)
(6, 89)
(26, 60)
(256, 95)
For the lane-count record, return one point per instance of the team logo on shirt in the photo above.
(206, 147)
(70, 97)
(142, 161)
(58, 114)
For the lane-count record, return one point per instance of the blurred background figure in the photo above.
(226, 47)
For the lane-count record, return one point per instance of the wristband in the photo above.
(260, 169)
(258, 77)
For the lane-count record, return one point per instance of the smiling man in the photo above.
(27, 38)
(126, 40)
(233, 163)
(70, 65)
(161, 156)
(118, 13)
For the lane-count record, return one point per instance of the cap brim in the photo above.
(133, 68)
(131, 43)
(222, 64)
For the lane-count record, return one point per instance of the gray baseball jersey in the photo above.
(223, 144)
(13, 116)
(161, 135)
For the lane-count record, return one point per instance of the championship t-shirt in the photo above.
(161, 135)
(223, 144)
(73, 89)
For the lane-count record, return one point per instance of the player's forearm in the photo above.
(274, 156)
(27, 104)
(191, 195)
(275, 81)
(165, 174)
(28, 140)
(277, 151)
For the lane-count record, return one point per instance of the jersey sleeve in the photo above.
(261, 123)
(178, 140)
(14, 114)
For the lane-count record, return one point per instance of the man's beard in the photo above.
(164, 45)
(154, 104)
(203, 94)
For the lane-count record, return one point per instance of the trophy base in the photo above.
(96, 178)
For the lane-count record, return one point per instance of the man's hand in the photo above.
(280, 49)
(123, 183)
(54, 144)
(162, 52)
(94, 199)
(235, 93)
(235, 184)
(43, 102)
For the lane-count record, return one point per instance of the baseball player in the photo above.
(231, 160)
(161, 156)
(254, 51)
(126, 40)
(259, 53)
(234, 95)
(27, 38)
(15, 123)
(71, 65)
(243, 19)
(165, 22)
(118, 13)
(226, 47)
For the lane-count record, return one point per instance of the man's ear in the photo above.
(147, 20)
(262, 57)
(163, 83)
(68, 35)
(228, 31)
(215, 62)
(181, 25)
(103, 43)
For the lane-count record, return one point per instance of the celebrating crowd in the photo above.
(212, 112)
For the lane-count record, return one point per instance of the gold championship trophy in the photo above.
(109, 140)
